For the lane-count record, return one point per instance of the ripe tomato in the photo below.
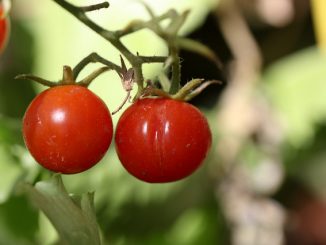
(162, 140)
(4, 28)
(67, 129)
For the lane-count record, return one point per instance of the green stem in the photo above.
(139, 79)
(95, 7)
(36, 79)
(139, 24)
(176, 23)
(152, 59)
(87, 80)
(67, 77)
(176, 75)
(92, 58)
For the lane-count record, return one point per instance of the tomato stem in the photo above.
(67, 76)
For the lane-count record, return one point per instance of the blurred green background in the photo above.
(44, 37)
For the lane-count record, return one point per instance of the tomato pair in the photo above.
(68, 129)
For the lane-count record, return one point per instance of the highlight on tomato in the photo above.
(162, 140)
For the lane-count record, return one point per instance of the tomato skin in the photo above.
(67, 129)
(4, 32)
(4, 24)
(162, 140)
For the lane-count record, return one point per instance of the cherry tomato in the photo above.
(4, 29)
(162, 140)
(67, 129)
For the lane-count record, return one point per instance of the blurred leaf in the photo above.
(10, 172)
(193, 227)
(18, 222)
(308, 163)
(296, 86)
(10, 131)
(74, 219)
(15, 95)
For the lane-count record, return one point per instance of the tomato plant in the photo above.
(162, 140)
(67, 129)
(159, 138)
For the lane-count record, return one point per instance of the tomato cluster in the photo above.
(68, 129)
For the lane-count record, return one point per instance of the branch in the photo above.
(95, 7)
(93, 58)
(152, 59)
(138, 25)
(176, 69)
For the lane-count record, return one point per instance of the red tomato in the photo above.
(4, 24)
(4, 32)
(67, 129)
(162, 140)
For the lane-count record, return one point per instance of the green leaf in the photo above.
(296, 87)
(18, 222)
(10, 130)
(10, 171)
(73, 218)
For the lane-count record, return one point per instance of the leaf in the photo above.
(74, 219)
(10, 130)
(15, 230)
(296, 87)
(10, 172)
